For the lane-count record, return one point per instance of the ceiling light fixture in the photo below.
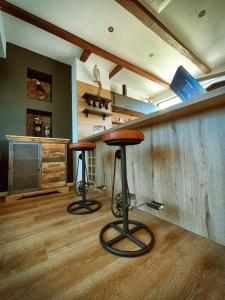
(202, 13)
(110, 29)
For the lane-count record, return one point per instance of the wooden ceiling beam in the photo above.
(74, 39)
(147, 18)
(85, 55)
(115, 71)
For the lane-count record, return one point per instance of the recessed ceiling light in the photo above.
(151, 54)
(202, 13)
(110, 29)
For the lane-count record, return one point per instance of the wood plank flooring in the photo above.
(47, 253)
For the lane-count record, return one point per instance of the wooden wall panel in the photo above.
(181, 163)
(85, 125)
(123, 117)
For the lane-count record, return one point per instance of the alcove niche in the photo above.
(38, 123)
(39, 85)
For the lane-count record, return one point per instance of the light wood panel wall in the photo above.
(85, 125)
(123, 117)
(181, 163)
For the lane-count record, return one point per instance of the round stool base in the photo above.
(108, 245)
(83, 207)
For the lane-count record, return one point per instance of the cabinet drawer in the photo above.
(53, 152)
(53, 175)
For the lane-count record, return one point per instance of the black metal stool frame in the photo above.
(125, 232)
(84, 206)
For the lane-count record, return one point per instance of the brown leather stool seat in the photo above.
(86, 146)
(123, 137)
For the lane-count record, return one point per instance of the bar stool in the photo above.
(124, 138)
(84, 206)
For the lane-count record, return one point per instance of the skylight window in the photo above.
(169, 102)
(208, 82)
(204, 82)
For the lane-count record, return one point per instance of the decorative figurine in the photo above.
(96, 77)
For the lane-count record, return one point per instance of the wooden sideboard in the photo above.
(36, 165)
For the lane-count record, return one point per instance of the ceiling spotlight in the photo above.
(110, 29)
(202, 13)
(151, 54)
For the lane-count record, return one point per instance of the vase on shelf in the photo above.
(37, 127)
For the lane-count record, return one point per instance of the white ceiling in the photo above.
(206, 35)
(131, 40)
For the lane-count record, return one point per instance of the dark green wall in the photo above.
(14, 102)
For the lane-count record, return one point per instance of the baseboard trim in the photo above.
(2, 194)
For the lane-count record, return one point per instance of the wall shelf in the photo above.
(91, 111)
(126, 111)
(92, 97)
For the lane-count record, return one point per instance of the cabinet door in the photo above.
(53, 173)
(24, 167)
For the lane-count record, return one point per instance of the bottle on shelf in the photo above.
(37, 127)
(46, 130)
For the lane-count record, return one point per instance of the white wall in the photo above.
(117, 88)
(74, 101)
(2, 38)
(84, 74)
(74, 71)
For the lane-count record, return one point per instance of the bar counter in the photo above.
(181, 163)
(200, 103)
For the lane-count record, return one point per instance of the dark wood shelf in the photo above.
(96, 98)
(126, 111)
(88, 111)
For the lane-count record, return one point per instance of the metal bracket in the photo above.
(155, 205)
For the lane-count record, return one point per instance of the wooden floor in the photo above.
(46, 253)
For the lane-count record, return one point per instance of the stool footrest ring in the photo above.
(83, 207)
(109, 244)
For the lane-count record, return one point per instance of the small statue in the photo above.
(96, 76)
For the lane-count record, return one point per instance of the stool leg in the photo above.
(83, 177)
(124, 188)
(83, 206)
